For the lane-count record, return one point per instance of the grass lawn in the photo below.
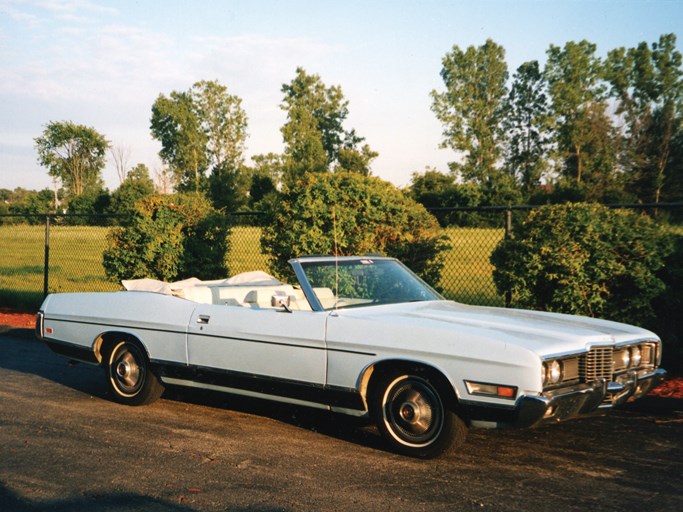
(467, 272)
(76, 262)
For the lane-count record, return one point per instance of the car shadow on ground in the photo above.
(31, 356)
(121, 502)
(339, 426)
(114, 501)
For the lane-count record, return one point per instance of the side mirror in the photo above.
(280, 301)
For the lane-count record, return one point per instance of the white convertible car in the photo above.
(357, 335)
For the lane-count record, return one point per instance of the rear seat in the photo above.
(251, 295)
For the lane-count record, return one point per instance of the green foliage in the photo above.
(229, 188)
(348, 213)
(526, 125)
(169, 237)
(355, 160)
(314, 135)
(74, 154)
(266, 178)
(647, 84)
(668, 323)
(200, 130)
(434, 189)
(583, 132)
(183, 144)
(584, 259)
(137, 185)
(86, 205)
(224, 122)
(25, 202)
(472, 108)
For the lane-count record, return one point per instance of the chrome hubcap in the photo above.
(413, 411)
(122, 370)
(126, 371)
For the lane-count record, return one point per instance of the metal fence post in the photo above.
(508, 235)
(47, 255)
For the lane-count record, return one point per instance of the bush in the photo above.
(668, 323)
(86, 206)
(347, 214)
(584, 259)
(169, 237)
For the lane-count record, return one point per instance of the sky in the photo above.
(103, 64)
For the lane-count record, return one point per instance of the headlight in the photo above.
(555, 372)
(636, 356)
(552, 372)
(625, 358)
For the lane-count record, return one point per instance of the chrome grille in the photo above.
(596, 364)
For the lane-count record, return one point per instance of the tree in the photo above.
(120, 155)
(584, 137)
(229, 188)
(314, 135)
(669, 100)
(266, 181)
(526, 125)
(136, 185)
(74, 154)
(434, 189)
(356, 160)
(183, 143)
(472, 109)
(83, 208)
(26, 202)
(223, 120)
(200, 130)
(163, 180)
(347, 213)
(674, 177)
(648, 87)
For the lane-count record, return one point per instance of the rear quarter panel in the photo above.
(158, 321)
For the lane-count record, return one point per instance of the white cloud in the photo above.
(71, 7)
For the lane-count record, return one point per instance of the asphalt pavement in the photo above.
(65, 445)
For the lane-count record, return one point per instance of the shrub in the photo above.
(169, 237)
(86, 206)
(668, 324)
(348, 213)
(584, 259)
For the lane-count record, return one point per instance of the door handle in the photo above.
(203, 319)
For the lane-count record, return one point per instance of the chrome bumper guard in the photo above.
(586, 399)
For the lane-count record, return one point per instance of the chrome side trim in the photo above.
(242, 392)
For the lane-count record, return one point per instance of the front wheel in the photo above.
(411, 415)
(130, 377)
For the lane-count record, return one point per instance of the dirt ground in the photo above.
(64, 445)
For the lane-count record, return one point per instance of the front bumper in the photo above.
(584, 400)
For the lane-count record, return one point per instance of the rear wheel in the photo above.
(412, 416)
(130, 378)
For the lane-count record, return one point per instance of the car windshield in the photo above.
(364, 282)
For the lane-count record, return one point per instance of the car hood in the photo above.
(542, 332)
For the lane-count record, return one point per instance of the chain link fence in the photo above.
(42, 254)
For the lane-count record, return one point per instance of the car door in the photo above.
(272, 345)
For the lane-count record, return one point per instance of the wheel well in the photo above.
(378, 371)
(106, 342)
